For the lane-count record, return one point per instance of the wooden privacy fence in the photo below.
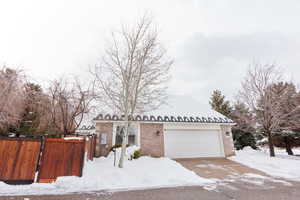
(21, 159)
(90, 145)
(61, 157)
(18, 159)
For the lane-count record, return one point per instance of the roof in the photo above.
(87, 127)
(152, 118)
(178, 109)
(86, 130)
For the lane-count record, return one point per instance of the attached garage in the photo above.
(193, 143)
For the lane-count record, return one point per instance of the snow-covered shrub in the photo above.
(136, 154)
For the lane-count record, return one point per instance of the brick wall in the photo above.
(151, 143)
(103, 149)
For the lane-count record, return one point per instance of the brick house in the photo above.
(175, 137)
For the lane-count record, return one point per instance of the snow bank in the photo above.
(283, 167)
(145, 172)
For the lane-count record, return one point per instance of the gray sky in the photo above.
(212, 42)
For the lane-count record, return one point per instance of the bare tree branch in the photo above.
(11, 97)
(70, 102)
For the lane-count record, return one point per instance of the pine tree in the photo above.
(243, 132)
(219, 104)
(33, 122)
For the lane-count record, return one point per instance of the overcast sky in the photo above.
(211, 41)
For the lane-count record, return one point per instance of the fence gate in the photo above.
(90, 144)
(61, 157)
(18, 159)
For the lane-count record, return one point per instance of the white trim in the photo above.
(139, 134)
(221, 143)
(164, 139)
(114, 134)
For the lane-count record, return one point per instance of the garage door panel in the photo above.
(192, 143)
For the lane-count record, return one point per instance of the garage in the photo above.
(193, 143)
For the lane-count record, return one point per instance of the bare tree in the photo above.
(133, 72)
(288, 113)
(257, 92)
(69, 103)
(11, 97)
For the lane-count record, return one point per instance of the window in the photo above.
(132, 134)
(103, 138)
(119, 135)
(227, 133)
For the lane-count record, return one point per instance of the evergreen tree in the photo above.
(243, 132)
(219, 104)
(33, 121)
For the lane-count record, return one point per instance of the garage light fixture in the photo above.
(157, 133)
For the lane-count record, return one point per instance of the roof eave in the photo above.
(163, 122)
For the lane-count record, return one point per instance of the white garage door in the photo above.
(192, 143)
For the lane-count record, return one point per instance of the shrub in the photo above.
(136, 154)
(242, 139)
(113, 148)
(280, 142)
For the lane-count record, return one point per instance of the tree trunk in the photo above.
(124, 144)
(271, 145)
(288, 146)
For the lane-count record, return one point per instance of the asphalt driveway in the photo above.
(241, 182)
(217, 168)
(237, 191)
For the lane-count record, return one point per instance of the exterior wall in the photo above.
(152, 143)
(227, 140)
(103, 149)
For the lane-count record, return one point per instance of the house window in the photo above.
(103, 138)
(119, 135)
(132, 134)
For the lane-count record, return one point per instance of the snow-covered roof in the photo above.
(86, 130)
(178, 109)
(85, 127)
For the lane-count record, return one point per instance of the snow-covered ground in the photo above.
(281, 153)
(145, 172)
(282, 166)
